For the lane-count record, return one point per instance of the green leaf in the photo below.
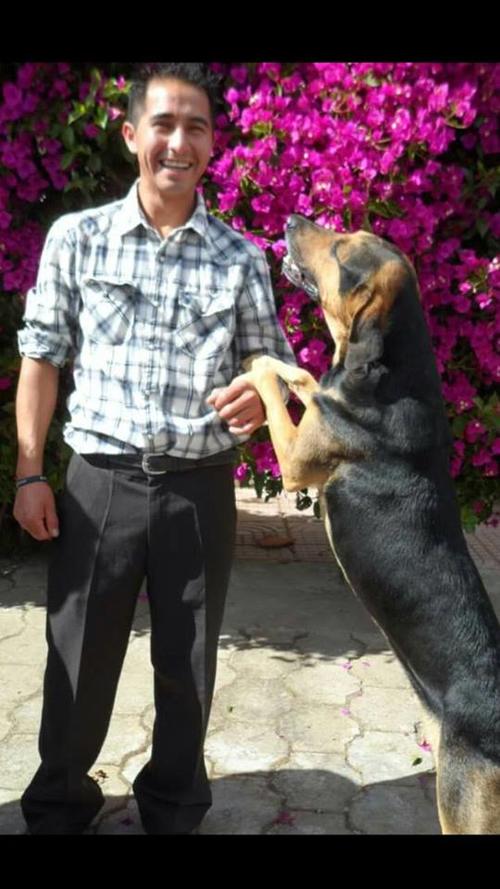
(67, 159)
(258, 481)
(417, 761)
(68, 138)
(386, 209)
(347, 217)
(468, 517)
(264, 128)
(95, 163)
(458, 425)
(79, 110)
(482, 227)
(101, 118)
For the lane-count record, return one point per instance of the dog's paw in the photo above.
(262, 365)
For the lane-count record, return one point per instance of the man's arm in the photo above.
(34, 506)
(257, 332)
(46, 343)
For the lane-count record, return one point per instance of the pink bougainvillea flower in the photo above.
(474, 431)
(241, 471)
(91, 130)
(284, 817)
(5, 219)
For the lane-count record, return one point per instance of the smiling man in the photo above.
(157, 304)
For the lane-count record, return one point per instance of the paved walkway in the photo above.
(314, 729)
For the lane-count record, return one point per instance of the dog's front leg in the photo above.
(290, 442)
(299, 381)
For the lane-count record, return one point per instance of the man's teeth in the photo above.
(176, 165)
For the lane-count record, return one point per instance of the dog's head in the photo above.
(355, 277)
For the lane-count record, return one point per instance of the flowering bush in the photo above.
(407, 150)
(58, 152)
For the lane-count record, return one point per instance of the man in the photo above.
(157, 304)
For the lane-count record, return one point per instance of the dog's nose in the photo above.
(293, 221)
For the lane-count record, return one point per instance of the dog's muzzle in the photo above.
(299, 277)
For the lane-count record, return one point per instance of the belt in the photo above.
(158, 464)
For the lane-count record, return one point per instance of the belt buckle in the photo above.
(146, 468)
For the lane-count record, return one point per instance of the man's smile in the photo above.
(168, 164)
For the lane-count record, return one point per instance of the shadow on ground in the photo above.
(297, 607)
(286, 802)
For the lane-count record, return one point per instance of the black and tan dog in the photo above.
(375, 438)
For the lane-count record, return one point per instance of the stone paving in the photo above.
(314, 729)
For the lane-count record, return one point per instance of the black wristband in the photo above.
(20, 482)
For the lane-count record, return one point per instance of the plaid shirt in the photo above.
(152, 326)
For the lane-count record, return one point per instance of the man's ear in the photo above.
(366, 344)
(128, 133)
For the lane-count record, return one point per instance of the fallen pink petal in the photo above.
(424, 745)
(345, 711)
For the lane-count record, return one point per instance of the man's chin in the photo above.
(173, 190)
(179, 186)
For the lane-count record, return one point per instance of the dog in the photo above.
(374, 438)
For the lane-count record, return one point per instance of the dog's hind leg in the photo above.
(468, 790)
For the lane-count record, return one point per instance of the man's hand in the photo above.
(239, 406)
(35, 510)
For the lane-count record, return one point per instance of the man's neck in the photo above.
(165, 216)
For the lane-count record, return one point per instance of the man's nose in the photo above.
(177, 138)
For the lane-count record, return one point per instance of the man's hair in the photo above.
(193, 73)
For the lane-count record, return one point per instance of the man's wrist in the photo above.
(29, 465)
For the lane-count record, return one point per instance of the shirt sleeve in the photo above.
(50, 316)
(258, 329)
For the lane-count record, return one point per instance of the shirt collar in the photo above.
(132, 215)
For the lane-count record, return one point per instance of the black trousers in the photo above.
(117, 527)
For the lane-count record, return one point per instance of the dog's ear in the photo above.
(366, 344)
(354, 274)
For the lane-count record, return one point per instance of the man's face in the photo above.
(172, 139)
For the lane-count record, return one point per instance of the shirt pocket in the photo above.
(205, 324)
(108, 309)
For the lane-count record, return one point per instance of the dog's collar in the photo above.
(296, 276)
